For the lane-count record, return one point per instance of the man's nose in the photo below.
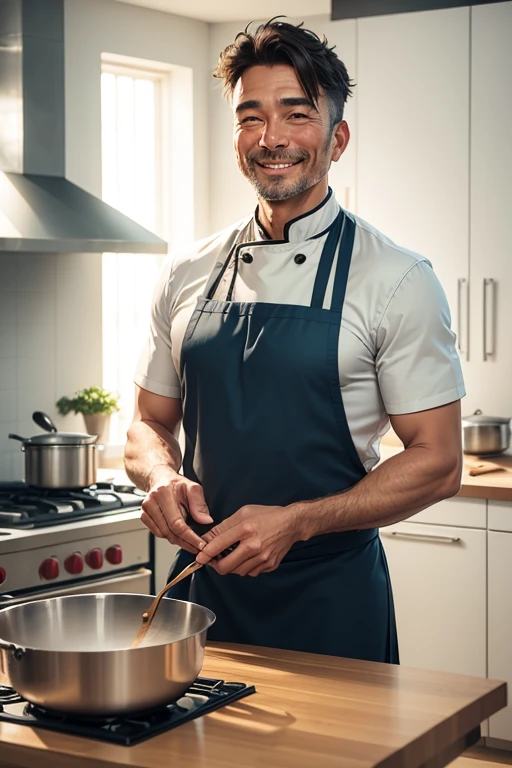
(273, 135)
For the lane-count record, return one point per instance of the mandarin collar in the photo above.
(307, 226)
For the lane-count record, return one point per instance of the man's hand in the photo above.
(265, 535)
(164, 510)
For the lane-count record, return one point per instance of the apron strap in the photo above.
(343, 265)
(326, 261)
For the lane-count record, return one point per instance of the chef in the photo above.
(285, 346)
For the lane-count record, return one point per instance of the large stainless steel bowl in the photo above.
(72, 654)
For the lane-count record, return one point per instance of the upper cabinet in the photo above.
(413, 134)
(490, 348)
(434, 166)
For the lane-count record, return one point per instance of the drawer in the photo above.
(464, 512)
(500, 515)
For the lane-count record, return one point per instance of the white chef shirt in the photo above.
(396, 349)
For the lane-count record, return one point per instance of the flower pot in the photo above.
(98, 424)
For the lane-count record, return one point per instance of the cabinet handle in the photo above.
(489, 325)
(464, 350)
(422, 536)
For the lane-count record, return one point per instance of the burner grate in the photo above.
(204, 695)
(24, 507)
(8, 696)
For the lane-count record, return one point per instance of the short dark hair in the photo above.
(277, 42)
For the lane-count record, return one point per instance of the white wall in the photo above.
(50, 305)
(232, 197)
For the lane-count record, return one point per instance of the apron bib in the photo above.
(264, 423)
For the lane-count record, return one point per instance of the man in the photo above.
(285, 345)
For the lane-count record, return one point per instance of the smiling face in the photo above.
(284, 144)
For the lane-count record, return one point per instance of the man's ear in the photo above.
(340, 138)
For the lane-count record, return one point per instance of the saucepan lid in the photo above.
(480, 418)
(52, 436)
(57, 438)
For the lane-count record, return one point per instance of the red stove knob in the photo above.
(3, 575)
(49, 568)
(74, 563)
(114, 554)
(94, 558)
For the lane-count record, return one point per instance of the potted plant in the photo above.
(96, 406)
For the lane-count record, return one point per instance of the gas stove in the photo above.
(90, 539)
(22, 506)
(203, 696)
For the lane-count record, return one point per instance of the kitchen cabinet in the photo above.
(438, 574)
(500, 516)
(413, 135)
(500, 615)
(491, 203)
(434, 167)
(458, 511)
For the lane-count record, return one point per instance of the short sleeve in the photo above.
(417, 364)
(155, 369)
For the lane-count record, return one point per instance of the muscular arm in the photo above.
(427, 471)
(152, 460)
(151, 439)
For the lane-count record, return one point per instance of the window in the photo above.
(147, 158)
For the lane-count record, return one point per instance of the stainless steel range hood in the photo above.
(40, 210)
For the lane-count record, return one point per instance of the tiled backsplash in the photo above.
(50, 342)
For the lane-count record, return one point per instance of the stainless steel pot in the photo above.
(71, 654)
(484, 435)
(58, 459)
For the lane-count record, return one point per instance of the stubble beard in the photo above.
(277, 188)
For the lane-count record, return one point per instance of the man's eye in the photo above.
(298, 115)
(250, 119)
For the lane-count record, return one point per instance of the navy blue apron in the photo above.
(264, 423)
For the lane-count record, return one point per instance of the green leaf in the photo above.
(88, 401)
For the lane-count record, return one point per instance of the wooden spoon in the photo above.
(483, 467)
(148, 616)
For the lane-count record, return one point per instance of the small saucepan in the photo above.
(485, 435)
(58, 459)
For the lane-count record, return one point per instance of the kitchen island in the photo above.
(308, 710)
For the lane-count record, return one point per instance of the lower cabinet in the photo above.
(438, 574)
(500, 624)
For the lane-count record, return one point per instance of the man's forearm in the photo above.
(149, 447)
(398, 488)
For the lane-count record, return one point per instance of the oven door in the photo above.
(135, 582)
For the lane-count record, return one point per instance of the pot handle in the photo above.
(43, 420)
(17, 651)
(18, 437)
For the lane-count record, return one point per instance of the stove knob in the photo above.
(49, 568)
(94, 558)
(3, 575)
(114, 554)
(74, 563)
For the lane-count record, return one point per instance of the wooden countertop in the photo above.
(308, 710)
(495, 485)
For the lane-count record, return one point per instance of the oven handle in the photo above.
(10, 600)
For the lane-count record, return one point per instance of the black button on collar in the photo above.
(299, 258)
(247, 258)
